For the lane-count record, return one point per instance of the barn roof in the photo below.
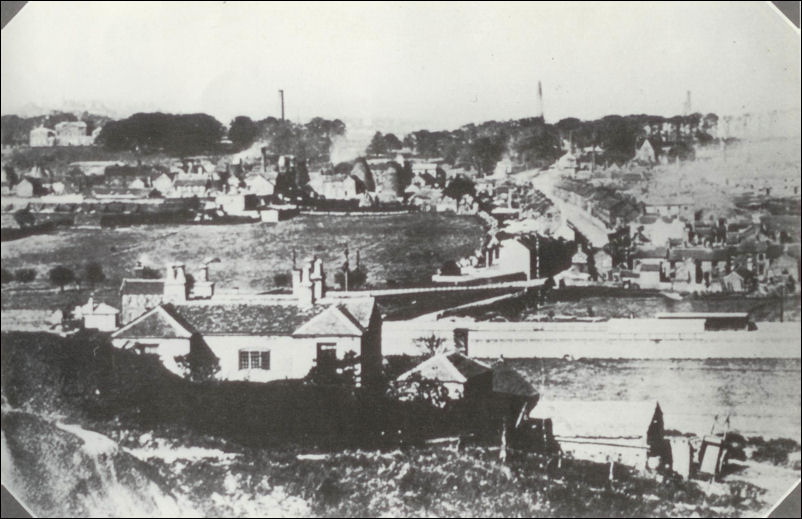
(599, 419)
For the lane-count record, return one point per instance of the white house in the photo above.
(259, 184)
(646, 153)
(259, 338)
(98, 316)
(73, 133)
(163, 184)
(42, 136)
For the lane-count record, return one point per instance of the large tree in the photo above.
(377, 145)
(182, 134)
(485, 153)
(61, 276)
(243, 131)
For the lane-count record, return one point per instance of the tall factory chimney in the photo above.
(687, 103)
(281, 96)
(540, 101)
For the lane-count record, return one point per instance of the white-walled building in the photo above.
(258, 338)
(97, 316)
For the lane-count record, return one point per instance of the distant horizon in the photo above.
(406, 125)
(433, 65)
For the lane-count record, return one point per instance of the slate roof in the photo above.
(247, 319)
(650, 268)
(160, 322)
(142, 286)
(507, 381)
(467, 366)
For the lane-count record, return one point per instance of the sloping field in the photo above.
(398, 249)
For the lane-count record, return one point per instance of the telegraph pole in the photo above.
(347, 267)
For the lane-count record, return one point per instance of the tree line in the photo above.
(532, 142)
(59, 275)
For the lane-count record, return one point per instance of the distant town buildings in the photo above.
(65, 133)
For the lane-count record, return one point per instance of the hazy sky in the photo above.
(442, 64)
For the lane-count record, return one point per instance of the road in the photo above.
(590, 227)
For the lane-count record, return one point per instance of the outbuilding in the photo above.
(627, 432)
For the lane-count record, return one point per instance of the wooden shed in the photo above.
(627, 432)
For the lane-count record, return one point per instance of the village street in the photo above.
(593, 230)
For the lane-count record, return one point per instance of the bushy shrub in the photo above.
(25, 275)
(281, 280)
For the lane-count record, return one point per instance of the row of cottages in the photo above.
(681, 207)
(610, 207)
(66, 133)
(254, 338)
(734, 269)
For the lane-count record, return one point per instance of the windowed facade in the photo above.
(254, 359)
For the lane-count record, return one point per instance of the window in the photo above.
(146, 349)
(254, 359)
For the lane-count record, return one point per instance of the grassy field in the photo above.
(399, 249)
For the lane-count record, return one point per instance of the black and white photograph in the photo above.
(401, 259)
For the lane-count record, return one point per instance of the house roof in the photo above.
(652, 253)
(190, 180)
(508, 381)
(159, 322)
(247, 319)
(92, 308)
(350, 319)
(359, 309)
(702, 254)
(599, 419)
(648, 267)
(453, 367)
(142, 286)
(467, 366)
(331, 322)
